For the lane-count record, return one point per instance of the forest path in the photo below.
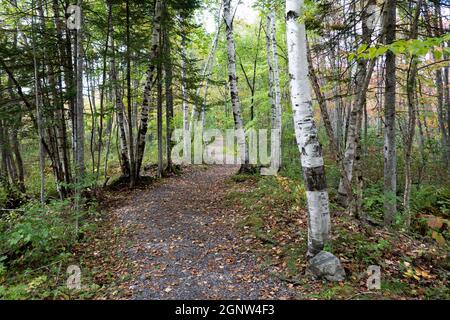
(186, 244)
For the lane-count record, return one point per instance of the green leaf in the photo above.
(437, 54)
(397, 48)
(372, 52)
(361, 49)
(381, 50)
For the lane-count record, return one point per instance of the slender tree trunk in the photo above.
(232, 79)
(306, 131)
(168, 90)
(159, 116)
(390, 161)
(363, 75)
(4, 179)
(120, 109)
(185, 105)
(154, 53)
(134, 175)
(328, 127)
(271, 92)
(276, 78)
(79, 142)
(39, 118)
(102, 93)
(15, 143)
(90, 82)
(66, 68)
(21, 171)
(411, 126)
(442, 93)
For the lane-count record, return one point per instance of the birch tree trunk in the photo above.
(270, 65)
(143, 124)
(232, 79)
(276, 79)
(306, 131)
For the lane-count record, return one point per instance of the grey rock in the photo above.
(326, 265)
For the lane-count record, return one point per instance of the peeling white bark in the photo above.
(276, 75)
(142, 131)
(306, 131)
(232, 78)
(319, 217)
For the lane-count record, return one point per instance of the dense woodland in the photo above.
(356, 93)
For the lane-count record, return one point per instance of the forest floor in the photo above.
(210, 234)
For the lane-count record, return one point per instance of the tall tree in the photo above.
(149, 83)
(234, 93)
(319, 224)
(134, 173)
(390, 161)
(79, 115)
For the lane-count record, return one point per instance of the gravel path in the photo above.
(185, 243)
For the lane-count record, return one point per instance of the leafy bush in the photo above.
(37, 233)
(35, 242)
(429, 199)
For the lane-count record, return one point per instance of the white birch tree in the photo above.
(306, 131)
(234, 93)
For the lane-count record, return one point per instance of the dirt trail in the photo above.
(186, 245)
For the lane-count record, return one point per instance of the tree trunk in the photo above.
(134, 175)
(168, 90)
(185, 105)
(306, 131)
(232, 79)
(39, 117)
(411, 124)
(443, 95)
(270, 72)
(276, 78)
(143, 124)
(390, 161)
(120, 109)
(363, 75)
(159, 115)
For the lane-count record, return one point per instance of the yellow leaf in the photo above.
(438, 237)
